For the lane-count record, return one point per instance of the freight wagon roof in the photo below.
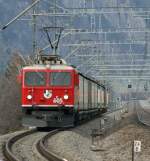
(42, 67)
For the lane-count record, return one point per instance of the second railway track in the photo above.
(143, 114)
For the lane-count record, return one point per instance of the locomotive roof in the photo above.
(57, 67)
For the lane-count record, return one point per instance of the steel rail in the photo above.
(43, 150)
(8, 154)
(40, 145)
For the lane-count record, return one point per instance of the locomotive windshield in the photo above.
(60, 79)
(35, 78)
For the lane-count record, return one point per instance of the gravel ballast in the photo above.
(3, 139)
(76, 145)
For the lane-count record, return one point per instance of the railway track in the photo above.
(30, 145)
(42, 148)
(8, 147)
(143, 115)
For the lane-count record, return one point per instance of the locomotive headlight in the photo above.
(29, 97)
(66, 96)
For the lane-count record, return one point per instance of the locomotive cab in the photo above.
(48, 93)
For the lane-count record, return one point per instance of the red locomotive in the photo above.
(55, 94)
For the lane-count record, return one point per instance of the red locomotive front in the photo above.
(48, 88)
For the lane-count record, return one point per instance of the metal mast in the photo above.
(34, 43)
(55, 25)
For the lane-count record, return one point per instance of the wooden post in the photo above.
(133, 151)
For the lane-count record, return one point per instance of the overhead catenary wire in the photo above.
(20, 14)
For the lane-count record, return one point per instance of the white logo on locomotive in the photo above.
(47, 94)
(58, 100)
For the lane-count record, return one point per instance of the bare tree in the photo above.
(10, 95)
